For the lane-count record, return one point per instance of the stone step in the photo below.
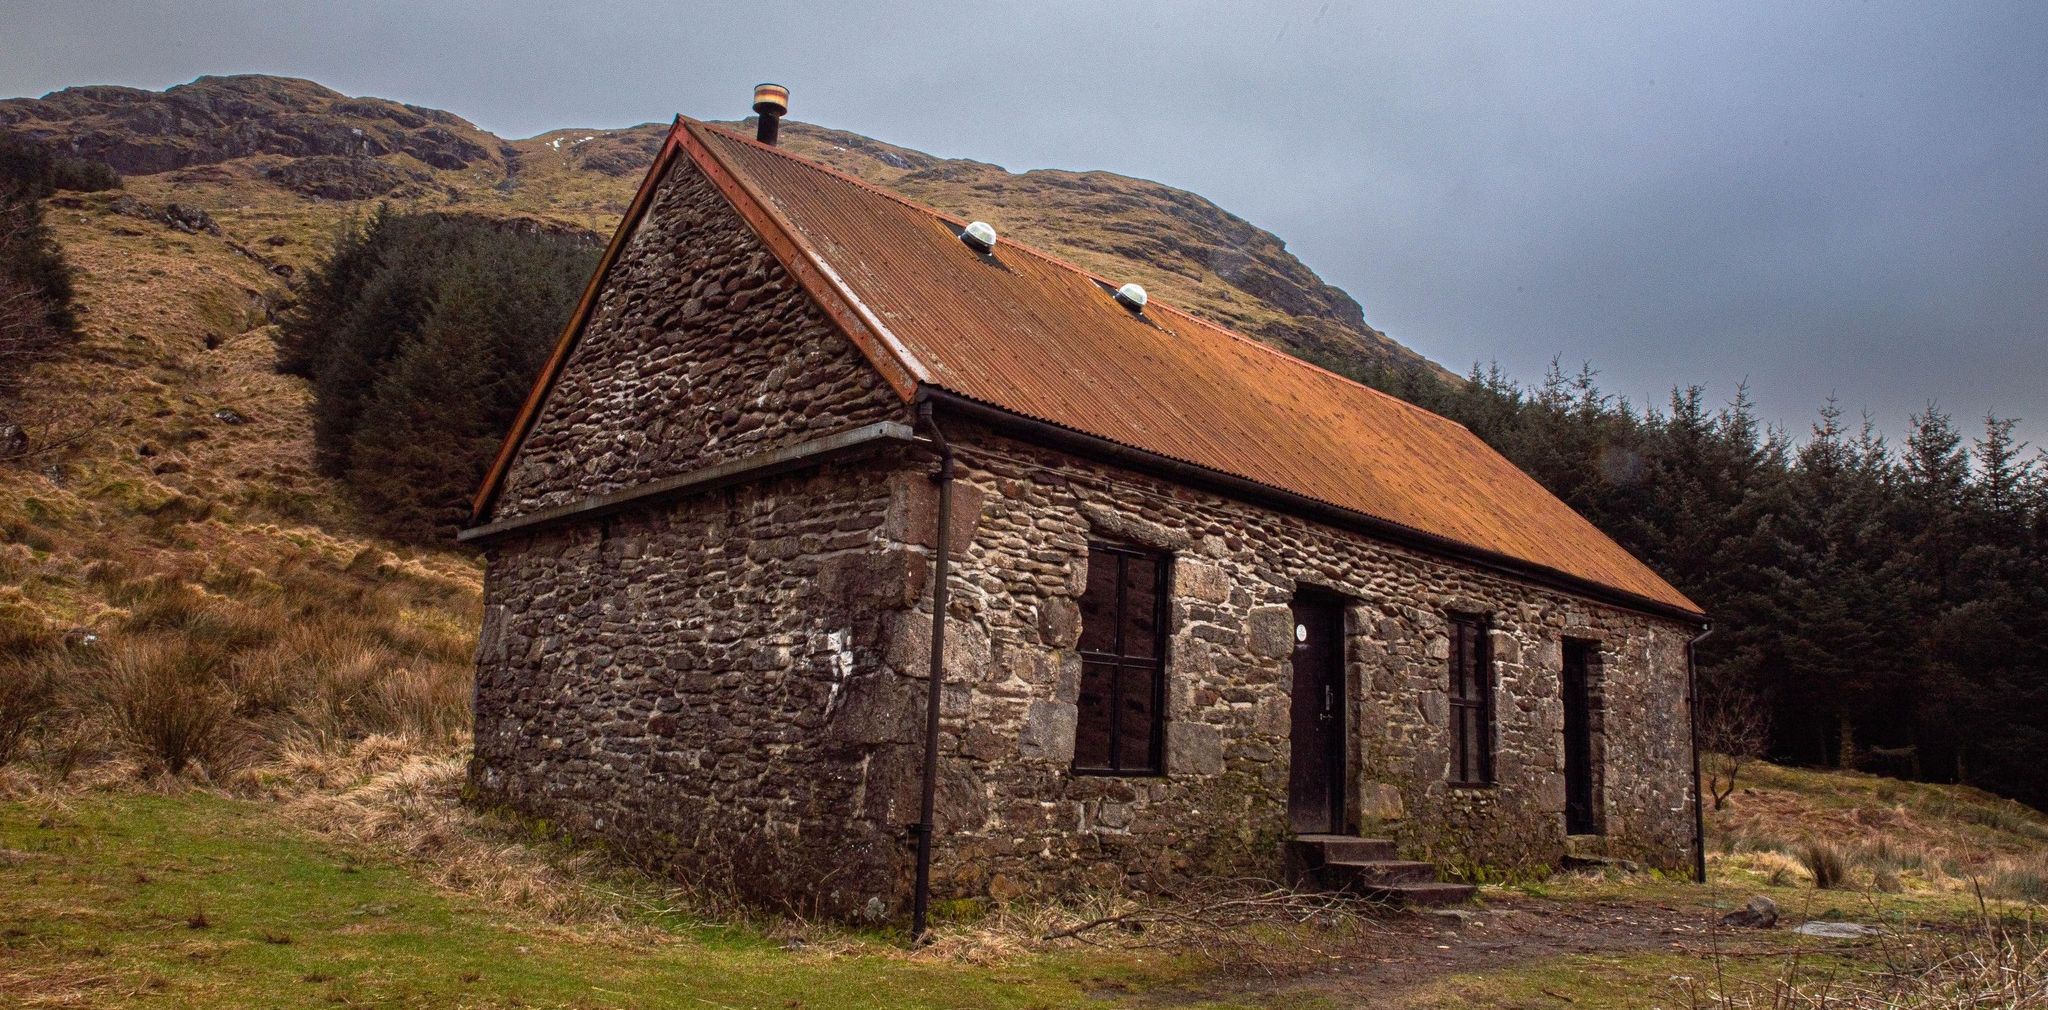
(1379, 871)
(1423, 895)
(1586, 846)
(1368, 867)
(1329, 848)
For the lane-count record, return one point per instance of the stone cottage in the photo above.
(1208, 609)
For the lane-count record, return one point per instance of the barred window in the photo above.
(1122, 720)
(1471, 702)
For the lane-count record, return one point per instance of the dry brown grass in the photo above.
(1825, 865)
(1998, 965)
(387, 794)
(1876, 834)
(194, 593)
(201, 670)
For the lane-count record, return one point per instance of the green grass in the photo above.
(1632, 981)
(194, 900)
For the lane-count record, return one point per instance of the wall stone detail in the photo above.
(701, 684)
(1221, 806)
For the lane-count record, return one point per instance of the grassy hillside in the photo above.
(1890, 837)
(175, 556)
(357, 878)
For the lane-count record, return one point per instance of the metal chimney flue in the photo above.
(771, 103)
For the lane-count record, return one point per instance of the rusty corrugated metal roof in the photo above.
(1039, 337)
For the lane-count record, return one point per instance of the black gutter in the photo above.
(942, 550)
(1699, 812)
(1057, 436)
(750, 468)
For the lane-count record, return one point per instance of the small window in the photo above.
(1122, 719)
(1471, 702)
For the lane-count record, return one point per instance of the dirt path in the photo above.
(1386, 966)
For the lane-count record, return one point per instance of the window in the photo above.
(1471, 702)
(1122, 717)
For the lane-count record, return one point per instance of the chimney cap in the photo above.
(980, 236)
(771, 100)
(1131, 296)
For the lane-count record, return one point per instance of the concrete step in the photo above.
(1429, 895)
(1379, 871)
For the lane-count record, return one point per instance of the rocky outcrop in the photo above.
(216, 119)
(335, 177)
(182, 217)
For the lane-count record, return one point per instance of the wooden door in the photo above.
(1315, 794)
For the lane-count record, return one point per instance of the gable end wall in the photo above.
(700, 350)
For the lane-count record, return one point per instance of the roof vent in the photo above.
(1132, 297)
(771, 103)
(980, 236)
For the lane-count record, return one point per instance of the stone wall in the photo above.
(701, 349)
(1020, 822)
(730, 688)
(702, 684)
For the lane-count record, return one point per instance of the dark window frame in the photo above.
(1123, 660)
(1462, 774)
(1593, 660)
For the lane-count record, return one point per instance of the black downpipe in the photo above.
(921, 898)
(1699, 812)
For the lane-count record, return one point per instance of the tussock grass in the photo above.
(165, 703)
(200, 668)
(28, 698)
(2020, 879)
(1826, 865)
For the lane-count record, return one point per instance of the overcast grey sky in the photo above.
(1843, 197)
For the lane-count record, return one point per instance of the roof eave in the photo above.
(1042, 432)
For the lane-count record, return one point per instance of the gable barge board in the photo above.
(854, 441)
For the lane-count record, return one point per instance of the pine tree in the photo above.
(421, 335)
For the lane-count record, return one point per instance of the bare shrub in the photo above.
(25, 333)
(1827, 865)
(1734, 728)
(165, 702)
(28, 698)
